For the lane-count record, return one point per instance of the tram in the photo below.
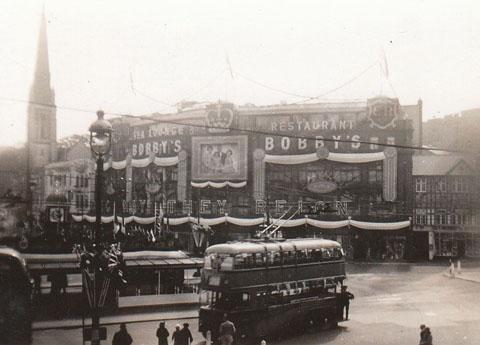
(15, 299)
(267, 286)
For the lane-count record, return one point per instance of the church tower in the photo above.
(41, 121)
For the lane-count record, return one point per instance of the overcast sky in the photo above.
(143, 56)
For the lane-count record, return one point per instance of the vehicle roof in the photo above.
(12, 253)
(273, 245)
(6, 251)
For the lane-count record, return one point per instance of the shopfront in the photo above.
(235, 168)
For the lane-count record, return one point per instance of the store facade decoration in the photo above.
(254, 163)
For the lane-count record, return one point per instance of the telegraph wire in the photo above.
(149, 118)
(270, 87)
(338, 87)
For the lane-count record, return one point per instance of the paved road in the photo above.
(390, 303)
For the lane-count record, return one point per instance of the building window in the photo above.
(375, 173)
(174, 174)
(459, 185)
(441, 217)
(420, 216)
(430, 216)
(421, 184)
(442, 185)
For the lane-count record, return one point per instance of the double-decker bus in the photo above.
(271, 285)
(15, 299)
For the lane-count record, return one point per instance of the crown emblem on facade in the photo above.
(219, 117)
(383, 112)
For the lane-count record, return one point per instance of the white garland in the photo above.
(256, 221)
(218, 184)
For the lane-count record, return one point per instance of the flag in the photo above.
(229, 66)
(384, 63)
(116, 225)
(131, 83)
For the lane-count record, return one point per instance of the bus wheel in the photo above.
(310, 322)
(331, 323)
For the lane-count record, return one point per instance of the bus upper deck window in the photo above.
(337, 253)
(227, 264)
(276, 258)
(215, 262)
(208, 262)
(239, 261)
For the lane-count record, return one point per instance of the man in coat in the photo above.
(344, 301)
(122, 337)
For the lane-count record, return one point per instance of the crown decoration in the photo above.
(383, 112)
(219, 118)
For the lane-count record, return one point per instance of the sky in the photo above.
(139, 57)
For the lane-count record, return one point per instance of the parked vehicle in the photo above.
(272, 285)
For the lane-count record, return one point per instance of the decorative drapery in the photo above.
(256, 221)
(379, 226)
(142, 163)
(218, 184)
(330, 156)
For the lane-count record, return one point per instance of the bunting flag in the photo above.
(116, 224)
(158, 220)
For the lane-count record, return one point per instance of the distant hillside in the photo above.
(455, 132)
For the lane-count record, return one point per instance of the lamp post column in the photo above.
(100, 142)
(97, 240)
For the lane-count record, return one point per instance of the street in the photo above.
(391, 301)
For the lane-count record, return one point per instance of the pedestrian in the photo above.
(62, 283)
(186, 335)
(162, 334)
(227, 331)
(425, 336)
(176, 336)
(122, 337)
(344, 301)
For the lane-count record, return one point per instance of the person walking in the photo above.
(122, 337)
(425, 336)
(176, 336)
(162, 334)
(227, 331)
(344, 300)
(185, 335)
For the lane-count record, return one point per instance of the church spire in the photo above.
(42, 122)
(41, 90)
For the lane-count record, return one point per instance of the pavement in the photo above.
(468, 274)
(162, 313)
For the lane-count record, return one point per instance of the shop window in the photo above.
(375, 174)
(446, 244)
(421, 184)
(472, 245)
(174, 174)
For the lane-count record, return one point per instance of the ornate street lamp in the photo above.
(100, 143)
